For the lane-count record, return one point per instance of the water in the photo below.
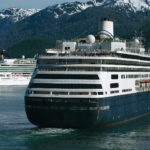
(17, 133)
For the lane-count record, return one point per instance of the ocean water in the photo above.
(17, 133)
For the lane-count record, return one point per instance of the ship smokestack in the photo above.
(106, 29)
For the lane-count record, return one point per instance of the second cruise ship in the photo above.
(15, 71)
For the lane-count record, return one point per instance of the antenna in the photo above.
(135, 33)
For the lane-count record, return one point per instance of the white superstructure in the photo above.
(89, 73)
(105, 68)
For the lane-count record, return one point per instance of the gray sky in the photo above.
(31, 3)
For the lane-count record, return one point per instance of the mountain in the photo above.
(76, 7)
(11, 16)
(75, 19)
(136, 5)
(15, 14)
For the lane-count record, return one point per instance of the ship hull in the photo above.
(102, 112)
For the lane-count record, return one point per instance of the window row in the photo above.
(69, 68)
(67, 76)
(91, 61)
(83, 68)
(126, 90)
(114, 92)
(64, 93)
(135, 76)
(30, 100)
(66, 86)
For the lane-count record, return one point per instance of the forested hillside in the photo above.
(30, 47)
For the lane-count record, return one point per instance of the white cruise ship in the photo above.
(90, 83)
(16, 71)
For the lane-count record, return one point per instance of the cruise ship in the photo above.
(15, 71)
(99, 81)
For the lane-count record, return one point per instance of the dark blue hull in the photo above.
(87, 113)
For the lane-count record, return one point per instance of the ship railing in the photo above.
(95, 53)
(147, 53)
(82, 52)
(135, 51)
(66, 92)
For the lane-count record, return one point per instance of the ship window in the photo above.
(67, 76)
(79, 93)
(114, 76)
(66, 86)
(126, 90)
(2, 75)
(93, 93)
(29, 92)
(114, 85)
(113, 92)
(100, 93)
(123, 76)
(60, 93)
(67, 48)
(41, 92)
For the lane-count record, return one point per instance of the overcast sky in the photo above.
(31, 3)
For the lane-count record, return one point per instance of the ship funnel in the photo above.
(106, 29)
